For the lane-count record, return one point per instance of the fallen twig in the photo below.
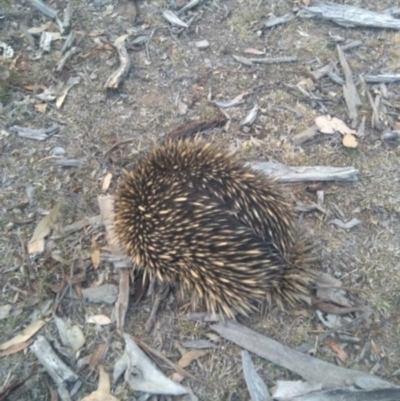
(156, 305)
(125, 64)
(190, 129)
(312, 369)
(350, 394)
(122, 303)
(39, 134)
(349, 88)
(382, 78)
(257, 388)
(307, 173)
(48, 12)
(62, 375)
(273, 21)
(349, 16)
(305, 135)
(160, 355)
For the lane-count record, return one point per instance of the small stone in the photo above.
(58, 151)
(202, 44)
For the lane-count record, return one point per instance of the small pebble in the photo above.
(202, 44)
(58, 151)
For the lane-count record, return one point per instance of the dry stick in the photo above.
(173, 365)
(156, 306)
(125, 64)
(115, 146)
(309, 368)
(306, 173)
(121, 306)
(349, 89)
(375, 112)
(187, 130)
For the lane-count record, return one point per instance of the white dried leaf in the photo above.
(173, 19)
(231, 103)
(45, 41)
(71, 335)
(243, 60)
(101, 320)
(4, 311)
(202, 44)
(251, 117)
(182, 108)
(329, 320)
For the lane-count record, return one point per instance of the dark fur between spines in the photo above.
(191, 214)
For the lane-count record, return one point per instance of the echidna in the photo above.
(192, 214)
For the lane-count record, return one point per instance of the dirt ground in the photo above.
(169, 84)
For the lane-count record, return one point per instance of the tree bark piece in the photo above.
(307, 173)
(309, 368)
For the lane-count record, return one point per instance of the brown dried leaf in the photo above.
(123, 298)
(24, 335)
(349, 141)
(106, 205)
(177, 377)
(36, 246)
(97, 356)
(53, 393)
(106, 182)
(375, 348)
(95, 254)
(46, 224)
(337, 349)
(15, 348)
(328, 125)
(190, 356)
(41, 107)
(103, 391)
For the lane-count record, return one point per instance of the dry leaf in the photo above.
(5, 311)
(106, 205)
(190, 356)
(350, 141)
(40, 28)
(53, 393)
(36, 246)
(253, 51)
(15, 348)
(375, 348)
(337, 349)
(103, 391)
(177, 377)
(101, 320)
(328, 125)
(45, 225)
(95, 254)
(24, 335)
(306, 2)
(41, 107)
(72, 81)
(97, 356)
(106, 182)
